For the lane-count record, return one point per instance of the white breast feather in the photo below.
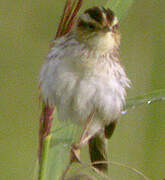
(77, 86)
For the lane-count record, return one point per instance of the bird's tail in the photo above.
(98, 149)
(98, 154)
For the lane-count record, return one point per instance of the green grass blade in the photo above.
(63, 135)
(44, 159)
(146, 99)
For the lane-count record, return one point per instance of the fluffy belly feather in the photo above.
(76, 94)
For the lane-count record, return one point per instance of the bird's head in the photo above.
(98, 29)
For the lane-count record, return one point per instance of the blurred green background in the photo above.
(26, 28)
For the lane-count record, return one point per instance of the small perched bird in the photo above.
(84, 80)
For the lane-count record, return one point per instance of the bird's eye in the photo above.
(86, 25)
(91, 26)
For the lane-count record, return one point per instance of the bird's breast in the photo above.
(77, 91)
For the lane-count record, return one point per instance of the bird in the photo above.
(83, 78)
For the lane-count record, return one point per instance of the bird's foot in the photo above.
(75, 153)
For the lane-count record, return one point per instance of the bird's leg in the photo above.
(75, 149)
(85, 137)
(85, 134)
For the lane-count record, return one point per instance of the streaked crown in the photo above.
(98, 19)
